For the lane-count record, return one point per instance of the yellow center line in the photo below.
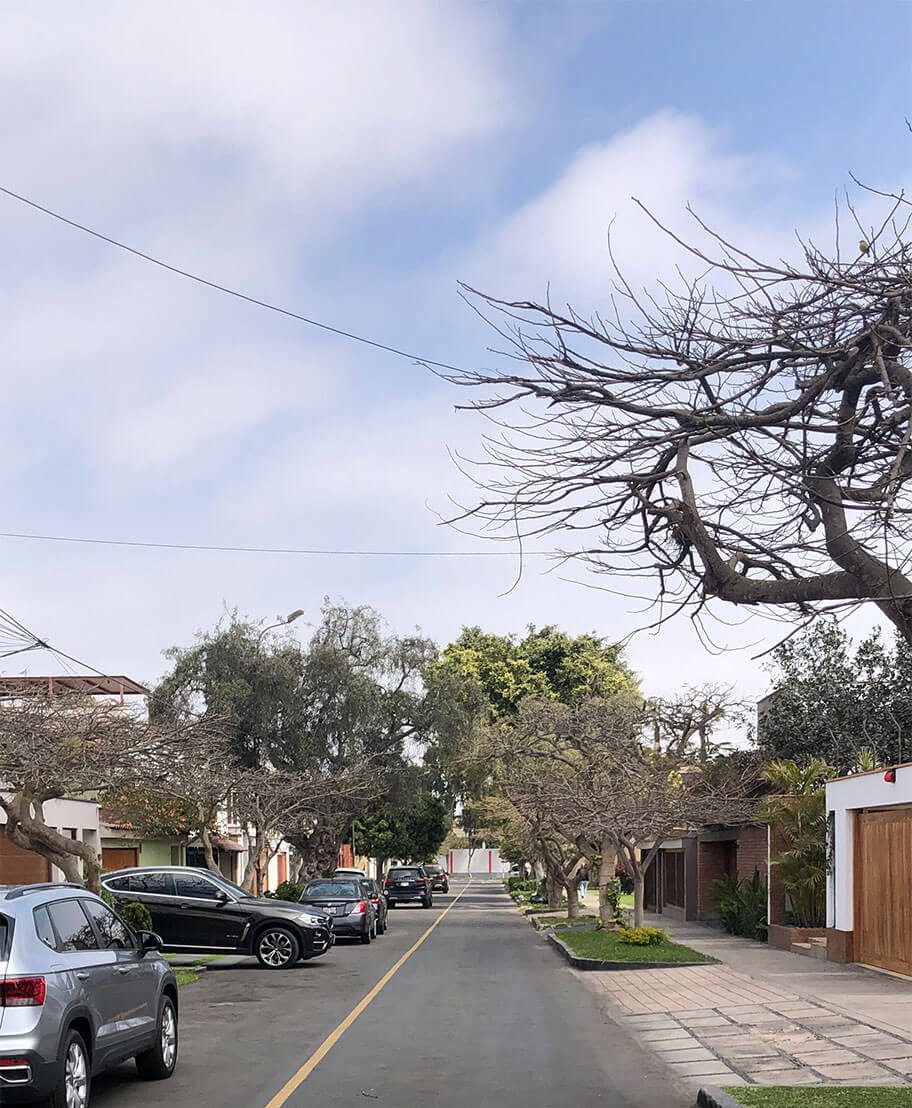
(297, 1080)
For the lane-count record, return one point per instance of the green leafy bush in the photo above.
(642, 936)
(108, 897)
(288, 890)
(136, 916)
(613, 892)
(742, 905)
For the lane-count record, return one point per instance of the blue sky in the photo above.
(353, 162)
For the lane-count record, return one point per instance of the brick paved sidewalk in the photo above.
(713, 1025)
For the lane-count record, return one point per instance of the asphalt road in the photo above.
(482, 1015)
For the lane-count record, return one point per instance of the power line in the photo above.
(224, 288)
(309, 552)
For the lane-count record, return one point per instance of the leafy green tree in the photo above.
(829, 700)
(798, 810)
(412, 831)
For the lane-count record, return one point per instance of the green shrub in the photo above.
(642, 936)
(136, 916)
(108, 897)
(742, 905)
(522, 885)
(288, 890)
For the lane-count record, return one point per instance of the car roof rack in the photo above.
(26, 890)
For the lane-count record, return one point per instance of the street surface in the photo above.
(482, 1015)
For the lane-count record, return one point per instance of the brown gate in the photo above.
(118, 857)
(21, 867)
(883, 889)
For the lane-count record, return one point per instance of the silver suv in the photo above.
(79, 992)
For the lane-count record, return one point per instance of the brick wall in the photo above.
(714, 860)
(752, 852)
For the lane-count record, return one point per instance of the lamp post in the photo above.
(283, 621)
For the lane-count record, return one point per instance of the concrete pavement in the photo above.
(765, 1016)
(482, 1014)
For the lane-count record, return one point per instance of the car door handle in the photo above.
(124, 969)
(82, 976)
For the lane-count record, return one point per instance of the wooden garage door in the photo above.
(118, 857)
(883, 889)
(21, 867)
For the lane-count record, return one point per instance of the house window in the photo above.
(196, 856)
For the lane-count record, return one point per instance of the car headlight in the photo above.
(313, 921)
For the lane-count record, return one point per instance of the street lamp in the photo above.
(283, 621)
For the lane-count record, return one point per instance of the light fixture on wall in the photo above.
(890, 776)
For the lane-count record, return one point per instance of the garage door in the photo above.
(21, 867)
(118, 857)
(883, 889)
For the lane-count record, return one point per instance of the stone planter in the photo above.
(783, 938)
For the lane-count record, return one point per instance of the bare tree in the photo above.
(742, 436)
(600, 778)
(687, 722)
(56, 746)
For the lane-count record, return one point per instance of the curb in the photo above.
(711, 1097)
(545, 925)
(598, 964)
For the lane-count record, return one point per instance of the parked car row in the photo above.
(70, 967)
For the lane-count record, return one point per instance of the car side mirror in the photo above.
(222, 897)
(148, 940)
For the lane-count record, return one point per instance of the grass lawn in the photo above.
(186, 976)
(585, 918)
(607, 946)
(809, 1097)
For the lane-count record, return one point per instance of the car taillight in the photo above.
(22, 992)
(360, 908)
(387, 882)
(13, 1063)
(420, 881)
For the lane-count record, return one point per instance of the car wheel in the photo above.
(158, 1062)
(277, 948)
(74, 1080)
(366, 935)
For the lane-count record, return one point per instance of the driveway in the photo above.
(482, 1012)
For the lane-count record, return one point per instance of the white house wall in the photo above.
(843, 798)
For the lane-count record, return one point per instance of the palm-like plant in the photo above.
(798, 809)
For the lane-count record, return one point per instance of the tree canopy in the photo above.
(830, 699)
(740, 433)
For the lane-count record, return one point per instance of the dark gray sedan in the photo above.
(347, 901)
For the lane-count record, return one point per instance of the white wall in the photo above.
(843, 798)
(484, 861)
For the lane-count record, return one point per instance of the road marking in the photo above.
(297, 1080)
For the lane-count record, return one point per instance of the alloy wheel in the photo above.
(276, 948)
(75, 1077)
(168, 1036)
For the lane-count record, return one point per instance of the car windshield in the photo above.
(433, 869)
(331, 888)
(396, 874)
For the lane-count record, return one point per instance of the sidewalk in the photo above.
(765, 1017)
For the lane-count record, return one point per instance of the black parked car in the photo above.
(196, 911)
(348, 900)
(439, 877)
(378, 899)
(408, 883)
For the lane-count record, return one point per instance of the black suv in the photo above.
(438, 876)
(408, 883)
(196, 911)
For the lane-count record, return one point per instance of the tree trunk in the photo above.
(639, 889)
(25, 827)
(554, 885)
(573, 906)
(205, 838)
(606, 879)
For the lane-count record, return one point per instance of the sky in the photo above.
(354, 162)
